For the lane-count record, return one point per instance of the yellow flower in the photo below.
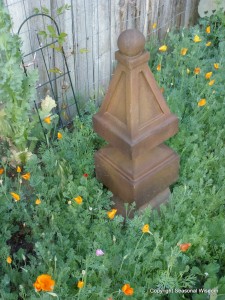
(197, 70)
(1, 171)
(18, 169)
(211, 82)
(38, 201)
(154, 25)
(80, 284)
(111, 213)
(127, 290)
(47, 120)
(188, 71)
(45, 283)
(202, 102)
(197, 39)
(163, 48)
(208, 44)
(59, 135)
(78, 199)
(158, 68)
(9, 260)
(26, 176)
(183, 51)
(145, 228)
(216, 66)
(15, 196)
(208, 75)
(207, 30)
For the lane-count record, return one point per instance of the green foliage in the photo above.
(16, 89)
(60, 237)
(63, 8)
(43, 10)
(50, 31)
(60, 10)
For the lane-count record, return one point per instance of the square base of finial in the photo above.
(139, 180)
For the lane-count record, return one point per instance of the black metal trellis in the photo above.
(52, 81)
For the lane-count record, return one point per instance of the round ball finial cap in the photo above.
(131, 42)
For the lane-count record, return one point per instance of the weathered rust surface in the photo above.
(135, 120)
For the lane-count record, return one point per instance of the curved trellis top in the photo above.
(48, 57)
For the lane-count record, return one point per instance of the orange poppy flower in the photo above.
(38, 201)
(202, 102)
(59, 135)
(184, 247)
(18, 169)
(9, 260)
(211, 82)
(1, 171)
(26, 176)
(145, 228)
(78, 200)
(162, 90)
(216, 66)
(47, 120)
(80, 284)
(207, 30)
(183, 51)
(197, 70)
(111, 213)
(158, 68)
(45, 283)
(15, 196)
(208, 75)
(208, 44)
(127, 289)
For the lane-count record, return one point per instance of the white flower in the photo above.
(18, 158)
(83, 272)
(48, 104)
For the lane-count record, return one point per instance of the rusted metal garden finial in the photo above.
(135, 120)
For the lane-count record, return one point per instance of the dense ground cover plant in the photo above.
(60, 237)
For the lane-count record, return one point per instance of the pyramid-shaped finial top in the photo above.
(134, 116)
(131, 42)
